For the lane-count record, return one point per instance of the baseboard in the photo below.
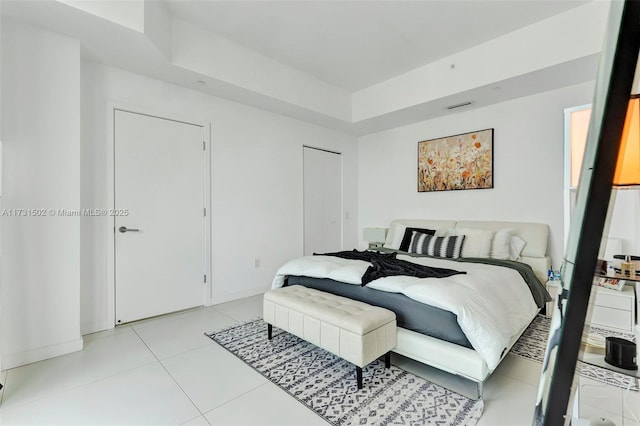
(94, 327)
(18, 359)
(228, 297)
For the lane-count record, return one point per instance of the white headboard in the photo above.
(536, 236)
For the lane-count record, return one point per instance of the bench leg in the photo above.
(269, 331)
(480, 389)
(359, 376)
(387, 360)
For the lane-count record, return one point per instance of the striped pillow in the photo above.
(436, 246)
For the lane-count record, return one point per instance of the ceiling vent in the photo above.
(463, 104)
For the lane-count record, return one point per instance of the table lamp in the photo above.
(375, 237)
(613, 248)
(627, 174)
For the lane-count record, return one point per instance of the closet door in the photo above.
(322, 201)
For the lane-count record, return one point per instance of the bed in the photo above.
(468, 338)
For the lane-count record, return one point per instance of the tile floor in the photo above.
(165, 371)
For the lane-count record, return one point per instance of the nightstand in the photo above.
(612, 309)
(553, 287)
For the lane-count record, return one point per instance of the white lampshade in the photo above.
(375, 235)
(614, 246)
(628, 166)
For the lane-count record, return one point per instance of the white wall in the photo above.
(528, 166)
(256, 182)
(520, 52)
(216, 58)
(1, 186)
(40, 280)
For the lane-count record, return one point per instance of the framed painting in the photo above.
(456, 162)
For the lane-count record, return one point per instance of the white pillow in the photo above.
(501, 244)
(515, 247)
(395, 235)
(477, 242)
(446, 232)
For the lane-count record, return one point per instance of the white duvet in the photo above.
(492, 303)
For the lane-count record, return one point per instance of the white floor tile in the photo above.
(452, 382)
(198, 421)
(508, 402)
(117, 379)
(589, 412)
(630, 421)
(269, 404)
(165, 317)
(242, 310)
(99, 359)
(106, 333)
(174, 335)
(594, 396)
(631, 406)
(211, 376)
(146, 395)
(521, 369)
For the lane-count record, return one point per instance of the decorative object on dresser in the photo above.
(325, 383)
(628, 268)
(610, 283)
(632, 266)
(462, 161)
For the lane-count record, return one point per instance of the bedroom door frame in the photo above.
(110, 175)
(341, 215)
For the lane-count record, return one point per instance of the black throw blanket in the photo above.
(386, 265)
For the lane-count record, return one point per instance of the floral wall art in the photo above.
(456, 162)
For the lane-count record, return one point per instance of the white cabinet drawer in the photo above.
(615, 300)
(612, 318)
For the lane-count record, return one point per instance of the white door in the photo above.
(322, 201)
(159, 223)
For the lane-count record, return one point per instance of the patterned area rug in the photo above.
(327, 384)
(533, 342)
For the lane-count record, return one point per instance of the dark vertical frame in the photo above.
(613, 89)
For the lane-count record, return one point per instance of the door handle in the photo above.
(124, 229)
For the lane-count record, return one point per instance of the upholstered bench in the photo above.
(352, 330)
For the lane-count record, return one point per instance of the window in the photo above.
(576, 127)
(624, 223)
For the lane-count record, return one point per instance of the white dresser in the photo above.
(612, 309)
